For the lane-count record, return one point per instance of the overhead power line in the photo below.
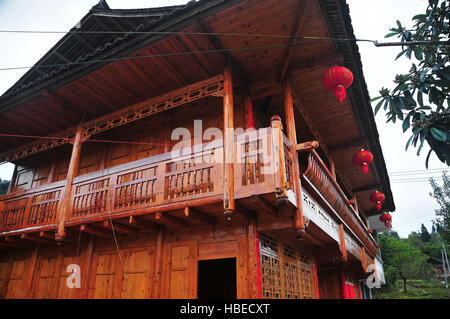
(319, 40)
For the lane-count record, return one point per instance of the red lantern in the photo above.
(337, 79)
(377, 197)
(386, 219)
(363, 158)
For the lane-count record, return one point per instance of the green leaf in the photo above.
(399, 24)
(400, 54)
(438, 134)
(390, 34)
(420, 98)
(428, 157)
(409, 141)
(375, 98)
(377, 107)
(406, 123)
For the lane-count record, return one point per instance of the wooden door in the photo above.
(136, 282)
(16, 285)
(5, 269)
(47, 278)
(180, 271)
(65, 292)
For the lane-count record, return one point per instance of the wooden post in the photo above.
(73, 168)
(363, 259)
(252, 266)
(159, 254)
(30, 272)
(281, 181)
(12, 183)
(87, 268)
(342, 243)
(228, 143)
(292, 135)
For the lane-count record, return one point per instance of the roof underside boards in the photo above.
(40, 104)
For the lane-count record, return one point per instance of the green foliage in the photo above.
(417, 289)
(424, 234)
(442, 196)
(430, 78)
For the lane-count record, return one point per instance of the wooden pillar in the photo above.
(12, 183)
(253, 266)
(228, 143)
(30, 272)
(342, 243)
(156, 289)
(281, 180)
(299, 223)
(73, 168)
(87, 268)
(363, 259)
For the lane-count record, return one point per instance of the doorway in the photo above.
(217, 279)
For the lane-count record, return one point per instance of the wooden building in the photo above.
(96, 184)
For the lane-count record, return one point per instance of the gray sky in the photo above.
(370, 19)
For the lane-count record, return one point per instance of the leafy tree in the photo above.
(442, 196)
(402, 260)
(424, 234)
(429, 120)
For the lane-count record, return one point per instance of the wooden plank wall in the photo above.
(136, 274)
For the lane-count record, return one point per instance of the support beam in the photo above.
(95, 231)
(5, 244)
(292, 136)
(307, 146)
(142, 224)
(321, 61)
(200, 216)
(281, 182)
(366, 188)
(342, 243)
(228, 143)
(87, 274)
(30, 272)
(171, 219)
(253, 266)
(298, 26)
(158, 266)
(118, 227)
(363, 259)
(264, 205)
(71, 172)
(37, 239)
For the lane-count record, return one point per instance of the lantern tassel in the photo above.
(386, 224)
(364, 168)
(379, 205)
(340, 92)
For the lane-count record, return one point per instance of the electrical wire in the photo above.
(169, 54)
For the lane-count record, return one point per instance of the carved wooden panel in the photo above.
(90, 198)
(43, 208)
(291, 274)
(46, 278)
(135, 188)
(13, 213)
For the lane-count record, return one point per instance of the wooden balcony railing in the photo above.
(146, 184)
(318, 174)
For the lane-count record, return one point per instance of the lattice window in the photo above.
(290, 273)
(306, 272)
(270, 267)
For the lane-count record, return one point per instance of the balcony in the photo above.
(171, 182)
(161, 183)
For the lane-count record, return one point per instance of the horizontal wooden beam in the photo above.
(95, 231)
(264, 205)
(142, 224)
(200, 216)
(366, 188)
(118, 227)
(37, 239)
(171, 219)
(322, 61)
(360, 142)
(307, 146)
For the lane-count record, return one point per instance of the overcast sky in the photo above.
(370, 19)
